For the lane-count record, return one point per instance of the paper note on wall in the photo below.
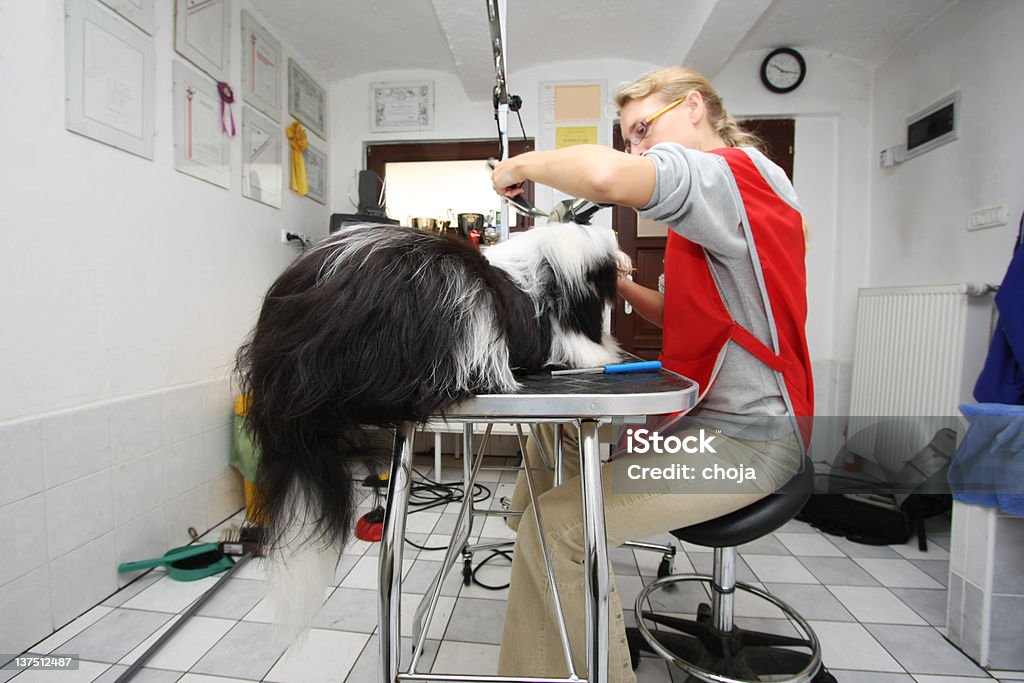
(576, 102)
(567, 136)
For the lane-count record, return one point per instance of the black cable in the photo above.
(507, 554)
(433, 494)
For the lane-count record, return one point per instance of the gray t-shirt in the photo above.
(696, 195)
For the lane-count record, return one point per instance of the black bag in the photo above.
(890, 512)
(863, 518)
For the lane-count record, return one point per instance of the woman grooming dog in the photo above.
(733, 313)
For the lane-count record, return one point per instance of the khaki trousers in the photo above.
(530, 644)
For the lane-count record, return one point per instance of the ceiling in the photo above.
(342, 39)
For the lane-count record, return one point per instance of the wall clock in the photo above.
(783, 70)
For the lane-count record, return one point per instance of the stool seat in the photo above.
(755, 520)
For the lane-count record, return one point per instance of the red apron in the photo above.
(697, 325)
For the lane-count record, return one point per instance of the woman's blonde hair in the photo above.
(676, 82)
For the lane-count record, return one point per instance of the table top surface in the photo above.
(584, 396)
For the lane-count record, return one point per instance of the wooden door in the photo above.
(647, 248)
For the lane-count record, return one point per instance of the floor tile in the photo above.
(897, 573)
(467, 658)
(114, 636)
(143, 675)
(921, 650)
(929, 603)
(928, 678)
(809, 545)
(851, 646)
(192, 640)
(132, 589)
(87, 671)
(811, 601)
(442, 614)
(68, 632)
(234, 599)
(838, 571)
(861, 549)
(849, 676)
(475, 620)
(248, 650)
(168, 595)
(349, 609)
(319, 657)
(937, 569)
(776, 569)
(910, 551)
(875, 605)
(767, 545)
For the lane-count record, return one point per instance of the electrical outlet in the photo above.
(991, 217)
(284, 237)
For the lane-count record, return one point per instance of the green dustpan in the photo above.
(186, 563)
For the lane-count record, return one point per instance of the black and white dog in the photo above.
(381, 324)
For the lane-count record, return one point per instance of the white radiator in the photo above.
(917, 352)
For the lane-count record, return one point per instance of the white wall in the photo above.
(120, 275)
(125, 288)
(919, 208)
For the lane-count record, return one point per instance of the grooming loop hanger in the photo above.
(502, 100)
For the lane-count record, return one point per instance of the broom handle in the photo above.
(193, 608)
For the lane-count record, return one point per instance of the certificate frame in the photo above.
(316, 173)
(261, 68)
(307, 100)
(201, 30)
(201, 149)
(109, 70)
(139, 12)
(401, 106)
(262, 149)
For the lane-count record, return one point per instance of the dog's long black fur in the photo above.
(381, 324)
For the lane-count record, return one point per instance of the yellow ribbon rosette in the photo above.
(297, 139)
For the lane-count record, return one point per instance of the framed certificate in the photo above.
(401, 106)
(201, 34)
(139, 12)
(201, 148)
(261, 68)
(307, 101)
(109, 66)
(262, 145)
(316, 173)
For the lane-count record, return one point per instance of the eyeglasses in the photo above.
(639, 132)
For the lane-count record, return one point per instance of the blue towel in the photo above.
(988, 467)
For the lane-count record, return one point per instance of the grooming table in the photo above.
(588, 401)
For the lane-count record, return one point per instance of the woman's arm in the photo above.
(593, 172)
(648, 303)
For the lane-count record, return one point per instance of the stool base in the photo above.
(736, 655)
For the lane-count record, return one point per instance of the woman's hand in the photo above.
(507, 177)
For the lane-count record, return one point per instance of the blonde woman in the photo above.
(733, 314)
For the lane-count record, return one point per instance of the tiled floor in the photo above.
(879, 612)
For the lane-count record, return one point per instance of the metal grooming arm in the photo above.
(496, 20)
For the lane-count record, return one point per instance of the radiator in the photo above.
(917, 353)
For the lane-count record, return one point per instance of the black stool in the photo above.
(711, 647)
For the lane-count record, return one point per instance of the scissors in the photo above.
(520, 204)
(578, 211)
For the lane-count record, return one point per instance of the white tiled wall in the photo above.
(84, 490)
(985, 614)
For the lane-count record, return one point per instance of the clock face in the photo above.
(783, 70)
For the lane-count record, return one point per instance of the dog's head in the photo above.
(569, 271)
